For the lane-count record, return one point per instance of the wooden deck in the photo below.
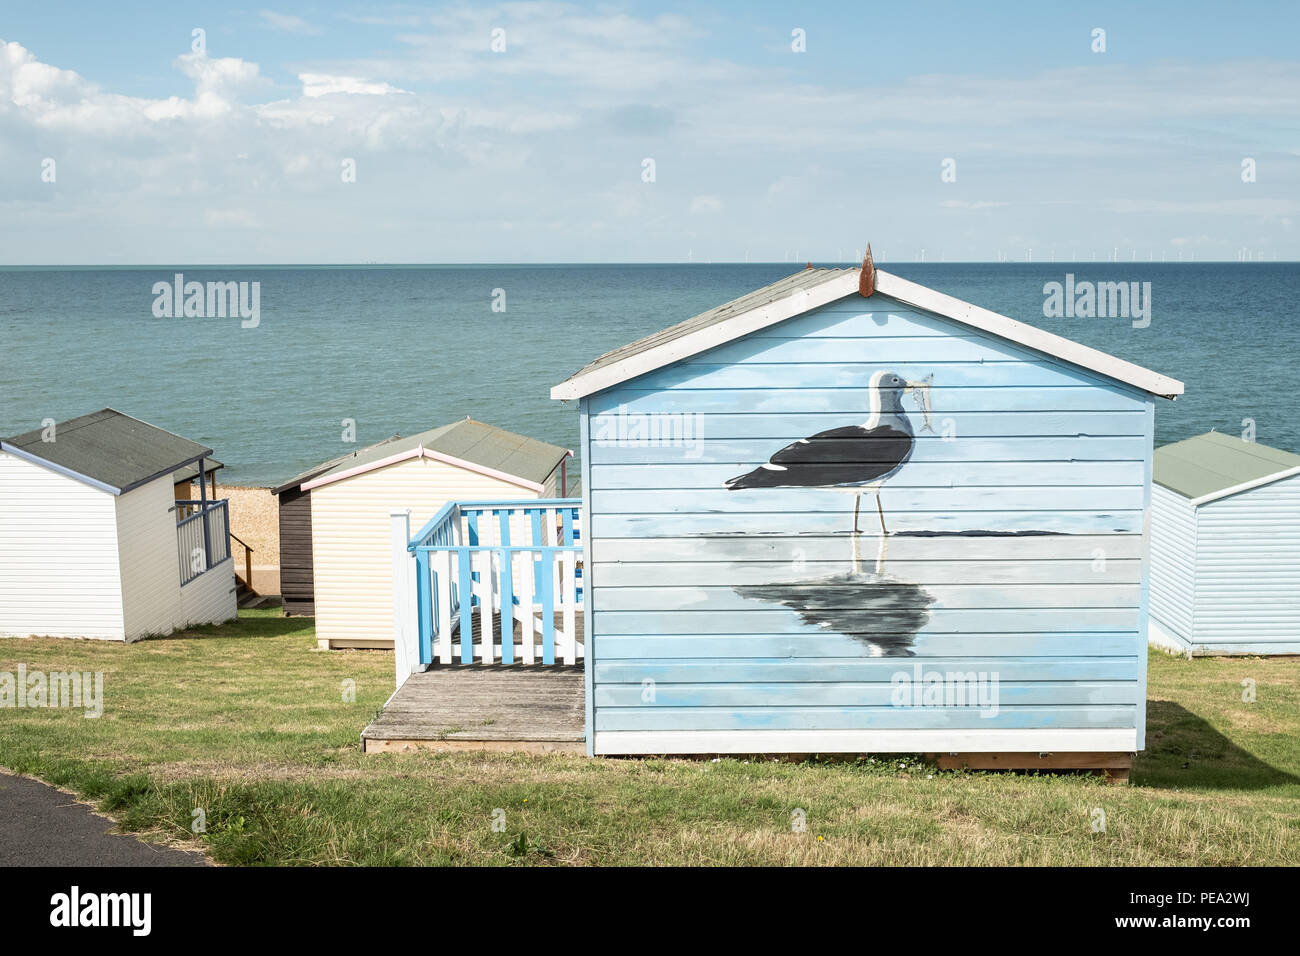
(511, 707)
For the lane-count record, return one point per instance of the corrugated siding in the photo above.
(296, 569)
(1248, 570)
(146, 535)
(351, 538)
(1028, 445)
(58, 555)
(1173, 560)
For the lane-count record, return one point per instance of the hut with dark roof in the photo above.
(93, 541)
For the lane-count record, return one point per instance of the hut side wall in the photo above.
(151, 581)
(725, 621)
(296, 567)
(59, 574)
(1173, 564)
(1248, 572)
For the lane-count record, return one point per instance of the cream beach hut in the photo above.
(351, 504)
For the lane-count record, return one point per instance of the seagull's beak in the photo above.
(920, 389)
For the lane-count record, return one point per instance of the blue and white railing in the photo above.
(520, 560)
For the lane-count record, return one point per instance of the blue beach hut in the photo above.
(1225, 548)
(848, 513)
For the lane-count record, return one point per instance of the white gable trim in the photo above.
(59, 469)
(422, 452)
(844, 284)
(1244, 486)
(1027, 335)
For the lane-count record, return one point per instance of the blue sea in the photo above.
(402, 349)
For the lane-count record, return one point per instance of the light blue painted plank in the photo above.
(928, 448)
(784, 670)
(652, 599)
(722, 573)
(857, 693)
(588, 596)
(1144, 605)
(805, 397)
(779, 620)
(423, 591)
(858, 375)
(844, 319)
(794, 550)
(773, 427)
(686, 476)
(893, 498)
(855, 718)
(880, 351)
(1054, 522)
(745, 646)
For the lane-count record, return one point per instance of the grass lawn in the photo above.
(248, 723)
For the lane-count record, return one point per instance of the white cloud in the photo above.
(705, 204)
(322, 84)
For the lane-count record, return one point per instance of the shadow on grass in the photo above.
(1184, 751)
(267, 622)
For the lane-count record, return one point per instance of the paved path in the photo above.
(42, 826)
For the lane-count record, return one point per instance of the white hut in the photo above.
(1225, 548)
(351, 546)
(93, 542)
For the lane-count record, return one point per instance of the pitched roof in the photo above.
(467, 444)
(109, 450)
(190, 472)
(1214, 465)
(813, 288)
(325, 466)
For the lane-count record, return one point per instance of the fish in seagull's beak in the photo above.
(920, 390)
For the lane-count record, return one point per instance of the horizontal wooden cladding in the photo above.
(1032, 376)
(1055, 523)
(879, 741)
(686, 475)
(781, 620)
(669, 574)
(802, 547)
(883, 351)
(776, 427)
(820, 645)
(859, 669)
(854, 693)
(929, 448)
(297, 574)
(795, 501)
(854, 718)
(855, 399)
(859, 597)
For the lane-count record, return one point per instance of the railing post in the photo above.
(203, 508)
(405, 657)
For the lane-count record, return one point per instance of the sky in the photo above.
(339, 132)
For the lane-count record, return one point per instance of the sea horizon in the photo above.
(402, 348)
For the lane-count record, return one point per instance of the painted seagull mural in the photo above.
(860, 458)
